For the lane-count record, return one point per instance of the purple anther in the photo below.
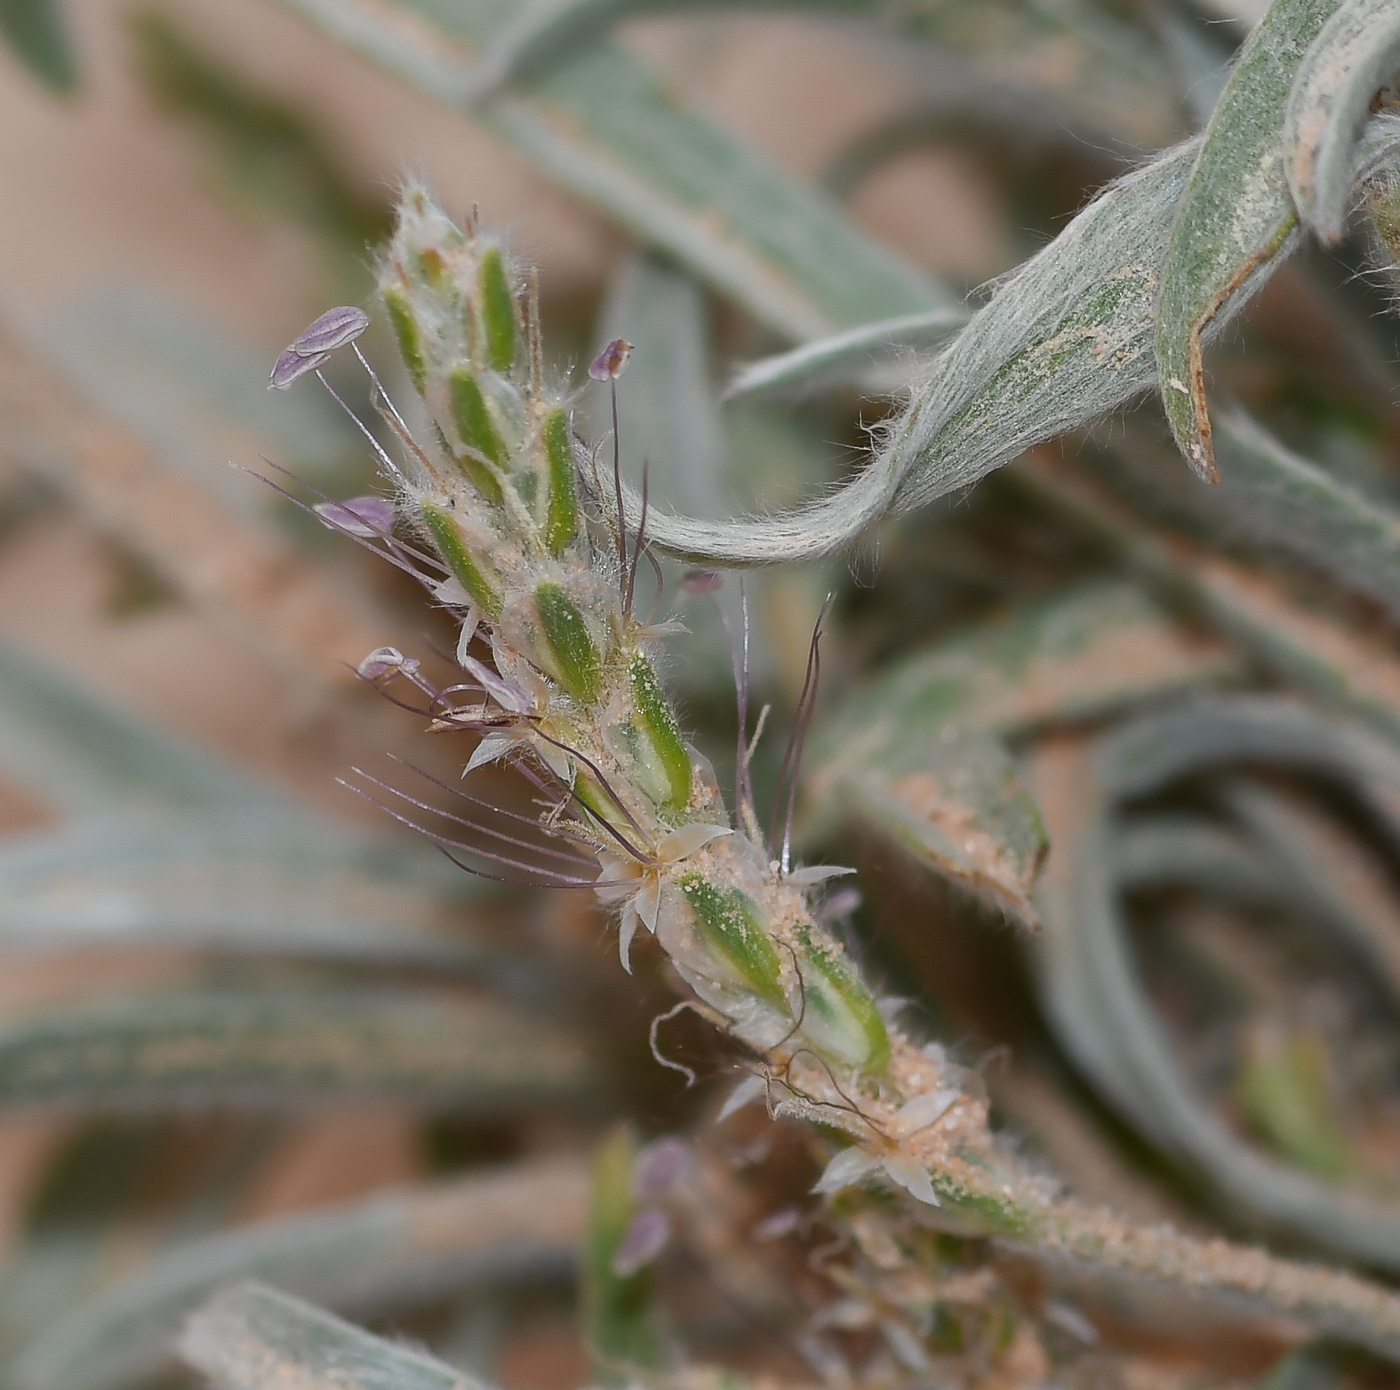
(292, 365)
(332, 330)
(384, 662)
(657, 1168)
(366, 517)
(612, 361)
(780, 1223)
(645, 1239)
(701, 581)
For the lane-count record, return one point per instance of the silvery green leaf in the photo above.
(1271, 499)
(1090, 986)
(37, 34)
(666, 405)
(857, 355)
(1235, 218)
(387, 1253)
(1088, 56)
(234, 884)
(618, 1314)
(604, 127)
(918, 755)
(1064, 339)
(1338, 663)
(251, 1337)
(272, 1046)
(1350, 59)
(83, 754)
(955, 801)
(1320, 870)
(1077, 655)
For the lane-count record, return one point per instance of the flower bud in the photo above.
(574, 657)
(561, 523)
(452, 548)
(409, 339)
(656, 744)
(495, 307)
(839, 1015)
(728, 926)
(475, 429)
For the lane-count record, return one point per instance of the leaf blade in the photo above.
(1328, 106)
(1235, 217)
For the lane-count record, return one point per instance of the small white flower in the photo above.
(637, 885)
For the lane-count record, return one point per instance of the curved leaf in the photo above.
(1356, 51)
(233, 883)
(605, 128)
(387, 1253)
(1341, 664)
(269, 1047)
(1087, 55)
(38, 35)
(1091, 988)
(850, 356)
(1235, 218)
(252, 1337)
(918, 754)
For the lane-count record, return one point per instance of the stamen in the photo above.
(393, 469)
(638, 545)
(566, 856)
(792, 757)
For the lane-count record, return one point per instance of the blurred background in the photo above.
(231, 995)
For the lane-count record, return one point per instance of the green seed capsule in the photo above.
(476, 430)
(728, 923)
(561, 525)
(575, 657)
(840, 1016)
(406, 331)
(657, 723)
(455, 555)
(496, 310)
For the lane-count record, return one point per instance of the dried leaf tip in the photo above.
(612, 361)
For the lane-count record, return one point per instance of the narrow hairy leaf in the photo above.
(1355, 52)
(1235, 218)
(232, 883)
(667, 414)
(85, 755)
(1094, 996)
(272, 1046)
(252, 1337)
(617, 1308)
(851, 356)
(386, 1253)
(1083, 54)
(918, 756)
(604, 127)
(1339, 663)
(37, 35)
